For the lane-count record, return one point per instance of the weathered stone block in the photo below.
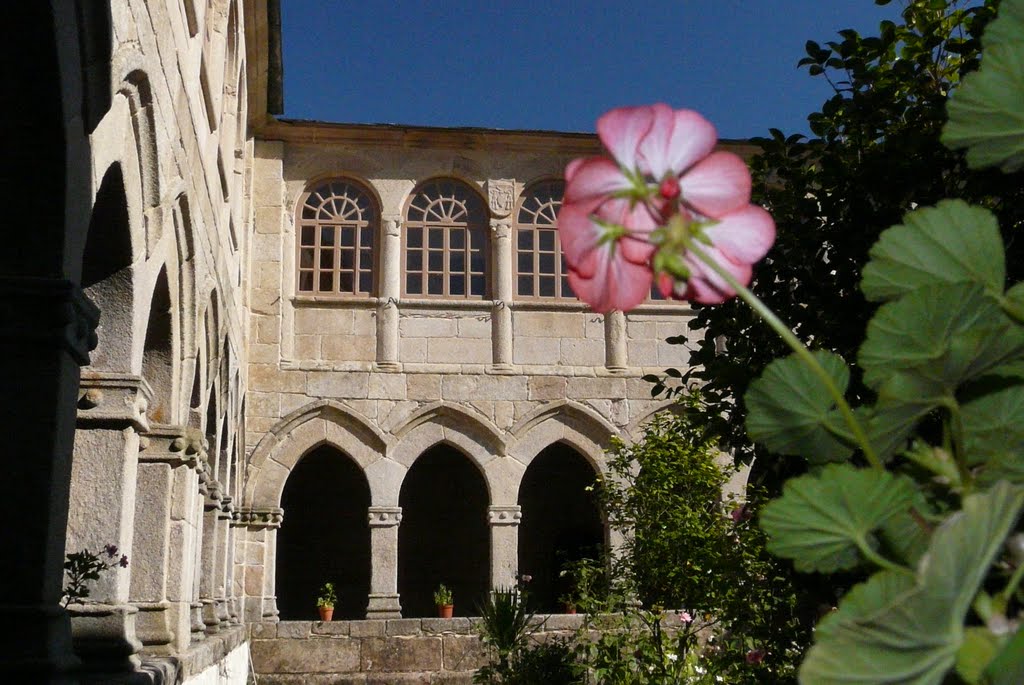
(535, 350)
(462, 351)
(585, 388)
(387, 386)
(350, 348)
(546, 387)
(464, 652)
(333, 628)
(403, 626)
(315, 321)
(423, 386)
(401, 654)
(475, 327)
(367, 628)
(294, 629)
(459, 625)
(263, 630)
(580, 352)
(338, 384)
(427, 327)
(306, 656)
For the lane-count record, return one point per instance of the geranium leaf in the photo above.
(948, 333)
(893, 629)
(789, 409)
(986, 114)
(824, 520)
(978, 650)
(902, 401)
(994, 425)
(950, 243)
(1008, 666)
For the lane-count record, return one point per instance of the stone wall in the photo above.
(378, 652)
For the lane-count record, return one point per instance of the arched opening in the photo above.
(324, 537)
(443, 537)
(107, 273)
(157, 352)
(561, 522)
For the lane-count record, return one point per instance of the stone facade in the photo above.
(172, 372)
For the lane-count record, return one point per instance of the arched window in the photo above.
(337, 229)
(446, 251)
(540, 269)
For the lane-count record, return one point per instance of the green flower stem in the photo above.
(880, 561)
(1011, 586)
(798, 347)
(956, 430)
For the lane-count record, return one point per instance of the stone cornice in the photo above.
(50, 312)
(174, 445)
(504, 515)
(118, 400)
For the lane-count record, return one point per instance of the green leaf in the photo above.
(789, 409)
(986, 114)
(1013, 303)
(952, 242)
(994, 425)
(1008, 666)
(892, 629)
(903, 400)
(979, 648)
(824, 521)
(948, 333)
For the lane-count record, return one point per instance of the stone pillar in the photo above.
(165, 457)
(198, 516)
(111, 417)
(501, 310)
(46, 332)
(615, 341)
(257, 560)
(208, 568)
(390, 292)
(185, 536)
(504, 523)
(384, 600)
(222, 563)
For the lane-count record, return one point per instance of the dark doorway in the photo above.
(444, 536)
(325, 536)
(561, 522)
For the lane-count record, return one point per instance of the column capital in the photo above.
(502, 228)
(392, 224)
(256, 518)
(173, 445)
(384, 517)
(114, 399)
(52, 312)
(504, 515)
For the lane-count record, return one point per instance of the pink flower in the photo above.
(756, 656)
(664, 191)
(685, 617)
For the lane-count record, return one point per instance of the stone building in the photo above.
(258, 354)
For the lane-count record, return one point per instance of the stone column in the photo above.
(208, 569)
(501, 310)
(504, 523)
(384, 601)
(111, 417)
(615, 358)
(259, 528)
(167, 461)
(198, 516)
(390, 292)
(222, 564)
(46, 332)
(185, 537)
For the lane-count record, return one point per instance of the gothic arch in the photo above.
(566, 421)
(636, 427)
(317, 423)
(159, 349)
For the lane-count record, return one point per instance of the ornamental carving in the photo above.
(383, 517)
(269, 517)
(501, 196)
(504, 515)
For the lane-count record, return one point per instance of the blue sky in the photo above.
(558, 65)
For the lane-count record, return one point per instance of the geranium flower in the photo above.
(664, 186)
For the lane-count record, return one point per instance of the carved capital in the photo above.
(48, 312)
(392, 225)
(501, 196)
(501, 229)
(258, 518)
(174, 445)
(384, 517)
(116, 400)
(213, 495)
(504, 515)
(227, 507)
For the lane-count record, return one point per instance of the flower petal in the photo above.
(745, 235)
(577, 232)
(594, 178)
(621, 131)
(616, 283)
(708, 287)
(676, 141)
(717, 184)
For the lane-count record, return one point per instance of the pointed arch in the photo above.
(636, 427)
(575, 424)
(320, 422)
(159, 357)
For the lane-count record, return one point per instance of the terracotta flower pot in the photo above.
(445, 610)
(568, 608)
(326, 613)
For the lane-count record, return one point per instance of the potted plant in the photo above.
(443, 601)
(325, 602)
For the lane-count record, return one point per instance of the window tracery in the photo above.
(540, 270)
(337, 234)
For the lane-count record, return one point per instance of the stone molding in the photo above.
(173, 445)
(51, 312)
(384, 517)
(504, 515)
(119, 400)
(259, 518)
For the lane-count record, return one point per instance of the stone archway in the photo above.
(325, 536)
(560, 521)
(444, 535)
